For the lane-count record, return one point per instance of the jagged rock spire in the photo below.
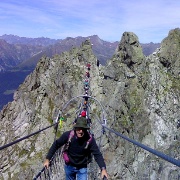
(170, 52)
(129, 50)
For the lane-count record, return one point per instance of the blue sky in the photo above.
(151, 20)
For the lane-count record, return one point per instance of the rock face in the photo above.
(145, 105)
(141, 100)
(169, 55)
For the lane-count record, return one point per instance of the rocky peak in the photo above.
(129, 50)
(129, 55)
(169, 54)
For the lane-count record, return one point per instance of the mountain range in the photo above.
(24, 53)
(20, 55)
(21, 52)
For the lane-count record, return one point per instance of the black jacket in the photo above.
(77, 153)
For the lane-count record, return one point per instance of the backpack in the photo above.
(66, 146)
(83, 113)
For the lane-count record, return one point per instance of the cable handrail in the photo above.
(153, 151)
(25, 137)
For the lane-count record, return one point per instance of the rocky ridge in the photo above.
(140, 96)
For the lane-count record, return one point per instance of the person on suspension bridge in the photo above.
(97, 63)
(87, 74)
(86, 82)
(79, 144)
(86, 87)
(88, 65)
